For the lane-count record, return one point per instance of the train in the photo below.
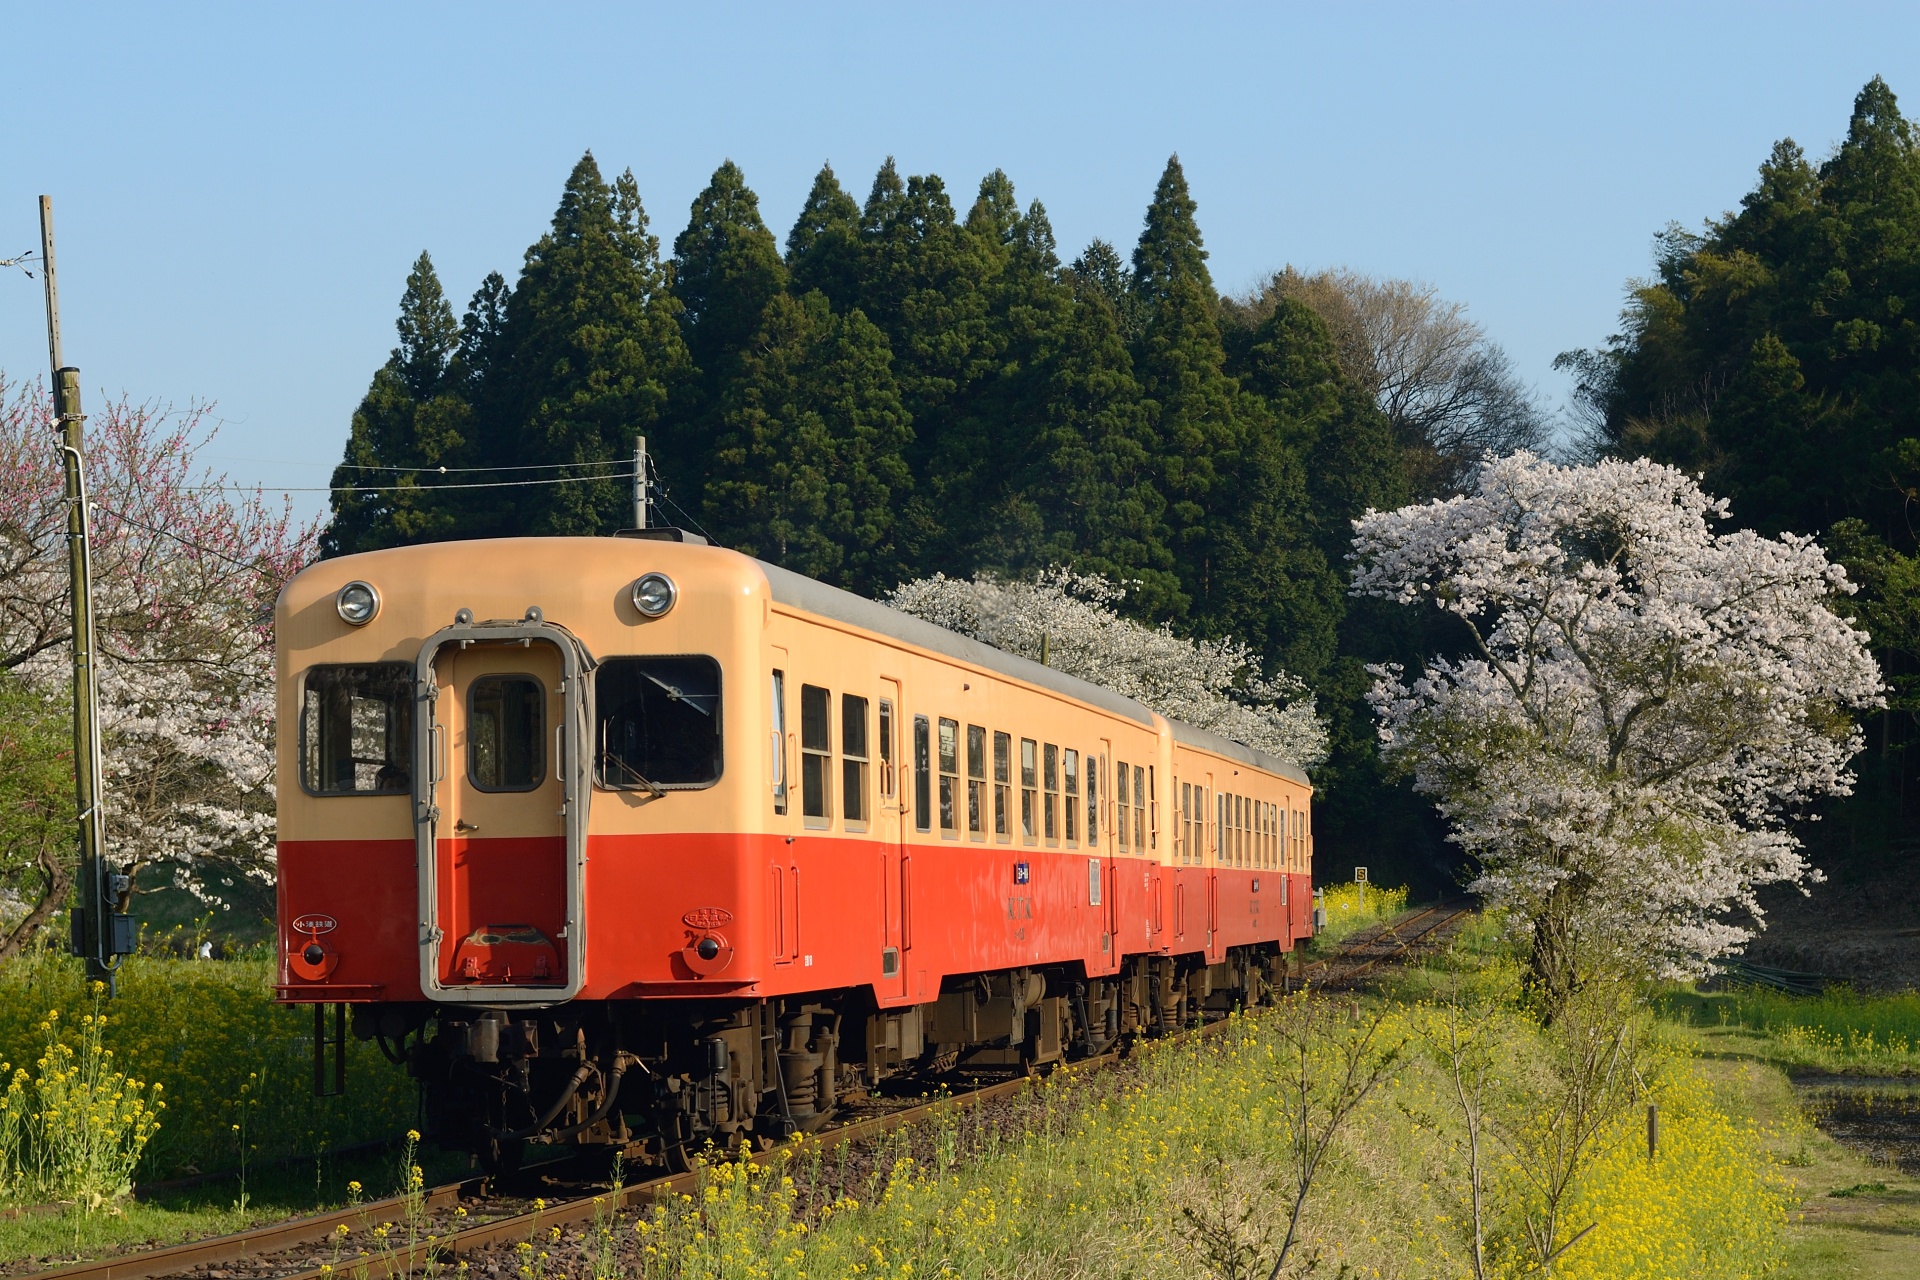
(636, 844)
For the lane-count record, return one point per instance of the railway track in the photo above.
(298, 1249)
(1363, 952)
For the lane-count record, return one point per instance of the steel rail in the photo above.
(1402, 942)
(174, 1259)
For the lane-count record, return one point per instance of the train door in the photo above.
(1108, 816)
(1210, 818)
(501, 855)
(890, 832)
(783, 873)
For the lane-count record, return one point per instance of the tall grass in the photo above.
(1095, 1177)
(1840, 1030)
(210, 1034)
(1352, 907)
(73, 1126)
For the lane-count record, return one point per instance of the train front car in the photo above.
(635, 844)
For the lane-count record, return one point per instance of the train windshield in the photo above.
(657, 723)
(356, 730)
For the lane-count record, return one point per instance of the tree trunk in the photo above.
(1551, 970)
(59, 880)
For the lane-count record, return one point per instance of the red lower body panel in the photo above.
(777, 918)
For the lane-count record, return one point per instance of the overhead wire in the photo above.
(404, 488)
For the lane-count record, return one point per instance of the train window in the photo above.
(816, 755)
(1139, 809)
(886, 749)
(853, 760)
(658, 723)
(922, 774)
(1070, 772)
(977, 781)
(949, 774)
(1050, 776)
(506, 733)
(1153, 810)
(1120, 801)
(1220, 827)
(779, 742)
(1029, 792)
(356, 730)
(1093, 799)
(1002, 784)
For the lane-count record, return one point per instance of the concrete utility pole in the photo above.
(640, 484)
(102, 931)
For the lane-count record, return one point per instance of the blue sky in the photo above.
(239, 189)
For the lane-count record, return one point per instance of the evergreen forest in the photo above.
(910, 384)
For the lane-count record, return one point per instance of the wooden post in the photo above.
(1653, 1131)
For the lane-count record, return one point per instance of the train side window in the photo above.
(1153, 809)
(1093, 799)
(1187, 835)
(1120, 803)
(1029, 788)
(657, 723)
(506, 733)
(1070, 773)
(1220, 827)
(977, 781)
(356, 730)
(922, 774)
(1050, 777)
(816, 755)
(949, 774)
(886, 749)
(1139, 809)
(853, 761)
(1002, 786)
(779, 742)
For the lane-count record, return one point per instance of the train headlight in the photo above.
(357, 603)
(654, 594)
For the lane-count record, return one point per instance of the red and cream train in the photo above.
(637, 842)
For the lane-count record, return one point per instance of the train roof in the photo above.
(817, 597)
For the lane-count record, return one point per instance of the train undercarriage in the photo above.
(654, 1080)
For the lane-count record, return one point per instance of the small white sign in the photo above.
(1359, 875)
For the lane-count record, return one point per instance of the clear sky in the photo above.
(239, 189)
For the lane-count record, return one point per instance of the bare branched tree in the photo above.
(1450, 392)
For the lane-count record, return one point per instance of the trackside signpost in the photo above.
(102, 931)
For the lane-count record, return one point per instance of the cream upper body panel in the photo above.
(752, 618)
(582, 584)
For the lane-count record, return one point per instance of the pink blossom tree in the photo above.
(186, 567)
(1645, 707)
(1068, 620)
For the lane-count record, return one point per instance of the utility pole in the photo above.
(102, 931)
(640, 484)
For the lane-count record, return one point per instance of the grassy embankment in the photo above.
(1856, 1217)
(1181, 1165)
(237, 1079)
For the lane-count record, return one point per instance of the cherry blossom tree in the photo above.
(1069, 621)
(186, 567)
(1645, 707)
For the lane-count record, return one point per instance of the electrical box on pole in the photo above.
(102, 931)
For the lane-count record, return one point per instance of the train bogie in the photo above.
(635, 842)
